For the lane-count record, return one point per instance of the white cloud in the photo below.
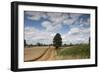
(35, 15)
(33, 35)
(77, 35)
(54, 22)
(55, 17)
(68, 21)
(71, 18)
(84, 23)
(49, 26)
(77, 30)
(46, 24)
(74, 31)
(75, 39)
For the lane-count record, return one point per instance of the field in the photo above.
(46, 53)
(39, 53)
(74, 52)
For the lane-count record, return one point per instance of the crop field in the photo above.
(74, 52)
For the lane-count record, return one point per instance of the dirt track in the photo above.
(39, 54)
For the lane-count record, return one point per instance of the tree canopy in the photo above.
(57, 41)
(25, 43)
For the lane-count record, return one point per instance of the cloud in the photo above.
(57, 20)
(33, 15)
(34, 18)
(55, 17)
(79, 27)
(49, 26)
(84, 23)
(71, 18)
(79, 31)
(33, 35)
(83, 20)
(74, 31)
(77, 35)
(54, 20)
(75, 39)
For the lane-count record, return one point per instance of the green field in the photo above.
(81, 51)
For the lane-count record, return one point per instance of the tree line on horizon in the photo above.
(57, 42)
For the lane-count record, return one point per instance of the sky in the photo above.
(43, 26)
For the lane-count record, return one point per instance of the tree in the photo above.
(38, 44)
(65, 45)
(71, 44)
(25, 43)
(57, 41)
